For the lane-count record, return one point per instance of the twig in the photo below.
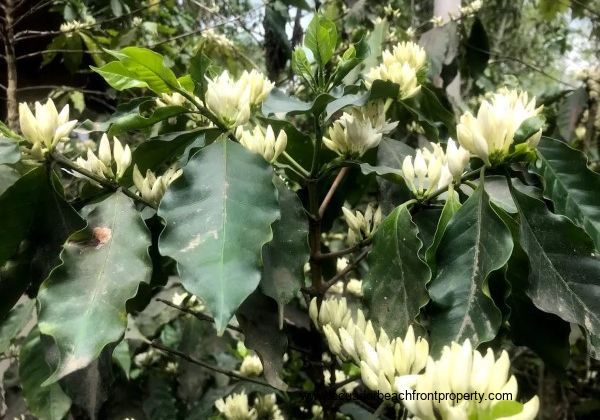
(198, 315)
(343, 252)
(296, 165)
(336, 183)
(351, 266)
(36, 53)
(217, 369)
(469, 175)
(63, 161)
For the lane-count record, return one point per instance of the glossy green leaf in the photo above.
(219, 216)
(15, 321)
(279, 103)
(351, 58)
(572, 187)
(475, 243)
(119, 77)
(82, 304)
(550, 338)
(569, 112)
(450, 208)
(145, 66)
(137, 121)
(284, 257)
(395, 288)
(45, 402)
(41, 221)
(9, 151)
(565, 273)
(321, 38)
(262, 333)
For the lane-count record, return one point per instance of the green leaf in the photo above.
(451, 206)
(321, 38)
(565, 273)
(15, 321)
(134, 121)
(569, 112)
(351, 58)
(475, 243)
(301, 65)
(148, 67)
(528, 128)
(122, 357)
(219, 216)
(9, 151)
(102, 268)
(550, 8)
(119, 77)
(279, 103)
(40, 220)
(395, 288)
(199, 66)
(44, 402)
(258, 320)
(477, 49)
(572, 187)
(284, 257)
(553, 347)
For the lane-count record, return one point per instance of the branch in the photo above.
(198, 315)
(351, 266)
(469, 175)
(109, 185)
(346, 381)
(217, 369)
(36, 53)
(346, 251)
(336, 183)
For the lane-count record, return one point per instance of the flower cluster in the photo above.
(237, 407)
(380, 359)
(151, 187)
(430, 170)
(263, 142)
(361, 226)
(231, 100)
(461, 369)
(402, 65)
(362, 129)
(491, 134)
(174, 99)
(108, 164)
(46, 128)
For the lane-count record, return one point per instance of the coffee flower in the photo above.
(263, 142)
(251, 366)
(380, 359)
(151, 187)
(44, 130)
(461, 369)
(491, 134)
(231, 100)
(267, 408)
(236, 407)
(457, 159)
(427, 171)
(358, 131)
(402, 66)
(361, 226)
(108, 164)
(174, 99)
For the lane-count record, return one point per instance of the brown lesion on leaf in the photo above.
(101, 236)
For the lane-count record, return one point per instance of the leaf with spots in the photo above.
(565, 272)
(475, 243)
(395, 286)
(82, 303)
(219, 216)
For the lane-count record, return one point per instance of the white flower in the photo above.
(358, 131)
(251, 366)
(427, 171)
(228, 99)
(457, 158)
(401, 66)
(437, 21)
(361, 226)
(354, 287)
(461, 369)
(266, 407)
(236, 407)
(490, 134)
(69, 27)
(263, 142)
(108, 164)
(44, 130)
(259, 86)
(151, 187)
